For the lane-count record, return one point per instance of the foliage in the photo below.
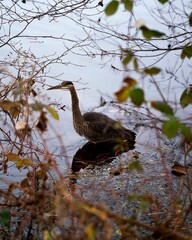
(4, 217)
(172, 126)
(186, 97)
(187, 51)
(148, 33)
(24, 116)
(112, 7)
(44, 203)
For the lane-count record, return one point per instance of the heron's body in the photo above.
(94, 126)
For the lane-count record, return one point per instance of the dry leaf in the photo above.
(130, 82)
(24, 183)
(42, 123)
(21, 124)
(41, 174)
(179, 170)
(13, 157)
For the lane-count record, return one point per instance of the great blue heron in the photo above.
(96, 127)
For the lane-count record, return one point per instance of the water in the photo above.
(93, 73)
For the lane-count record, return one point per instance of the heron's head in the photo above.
(63, 85)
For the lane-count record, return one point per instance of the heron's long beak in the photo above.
(55, 87)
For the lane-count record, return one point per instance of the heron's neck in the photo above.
(77, 116)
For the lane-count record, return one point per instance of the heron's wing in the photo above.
(99, 127)
(95, 116)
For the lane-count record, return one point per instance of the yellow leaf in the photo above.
(53, 112)
(27, 162)
(47, 235)
(90, 232)
(122, 94)
(19, 163)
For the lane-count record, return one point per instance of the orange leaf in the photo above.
(130, 82)
(41, 174)
(24, 183)
(13, 157)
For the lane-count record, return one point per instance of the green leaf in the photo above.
(136, 166)
(190, 20)
(53, 112)
(187, 52)
(148, 33)
(5, 217)
(127, 59)
(132, 197)
(171, 127)
(37, 106)
(137, 96)
(162, 107)
(186, 98)
(111, 8)
(135, 64)
(163, 1)
(128, 4)
(186, 131)
(152, 71)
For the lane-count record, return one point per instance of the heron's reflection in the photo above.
(98, 153)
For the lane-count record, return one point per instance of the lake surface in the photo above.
(93, 75)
